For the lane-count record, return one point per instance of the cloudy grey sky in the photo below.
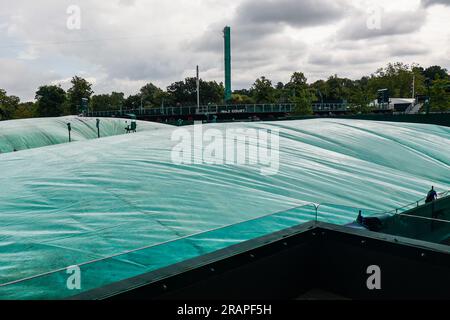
(123, 44)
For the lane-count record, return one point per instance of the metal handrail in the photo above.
(213, 108)
(330, 106)
(417, 203)
(425, 218)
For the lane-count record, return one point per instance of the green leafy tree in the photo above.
(211, 92)
(241, 99)
(303, 101)
(117, 100)
(80, 89)
(263, 91)
(398, 79)
(320, 88)
(151, 95)
(293, 88)
(50, 101)
(440, 95)
(26, 110)
(8, 105)
(360, 100)
(178, 93)
(102, 102)
(133, 102)
(419, 80)
(185, 92)
(280, 86)
(337, 89)
(298, 81)
(435, 73)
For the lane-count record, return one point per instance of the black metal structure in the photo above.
(287, 264)
(189, 113)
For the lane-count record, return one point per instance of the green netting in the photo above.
(96, 203)
(33, 133)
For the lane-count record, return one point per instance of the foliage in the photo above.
(303, 101)
(26, 110)
(241, 99)
(435, 73)
(440, 95)
(133, 102)
(185, 92)
(50, 101)
(80, 89)
(151, 95)
(113, 101)
(359, 94)
(8, 105)
(263, 91)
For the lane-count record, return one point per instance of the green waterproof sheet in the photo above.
(34, 133)
(119, 207)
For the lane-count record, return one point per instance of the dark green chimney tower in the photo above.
(227, 37)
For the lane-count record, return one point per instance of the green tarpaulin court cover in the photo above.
(33, 133)
(121, 206)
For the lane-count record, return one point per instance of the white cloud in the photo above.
(123, 44)
(388, 23)
(22, 80)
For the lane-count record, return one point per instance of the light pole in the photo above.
(142, 102)
(428, 84)
(198, 89)
(321, 98)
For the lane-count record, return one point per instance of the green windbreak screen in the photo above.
(33, 133)
(96, 203)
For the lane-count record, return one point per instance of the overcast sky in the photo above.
(122, 44)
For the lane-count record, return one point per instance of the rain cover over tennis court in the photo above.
(119, 207)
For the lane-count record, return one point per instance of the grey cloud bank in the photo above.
(122, 44)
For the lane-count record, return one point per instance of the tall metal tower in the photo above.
(227, 37)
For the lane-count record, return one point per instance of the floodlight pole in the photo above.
(198, 89)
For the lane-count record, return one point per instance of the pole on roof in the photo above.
(69, 128)
(98, 128)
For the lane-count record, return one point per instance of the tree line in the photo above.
(53, 101)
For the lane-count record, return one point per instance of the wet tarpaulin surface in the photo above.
(119, 207)
(34, 133)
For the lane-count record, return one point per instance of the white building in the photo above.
(397, 104)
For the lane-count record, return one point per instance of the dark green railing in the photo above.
(202, 110)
